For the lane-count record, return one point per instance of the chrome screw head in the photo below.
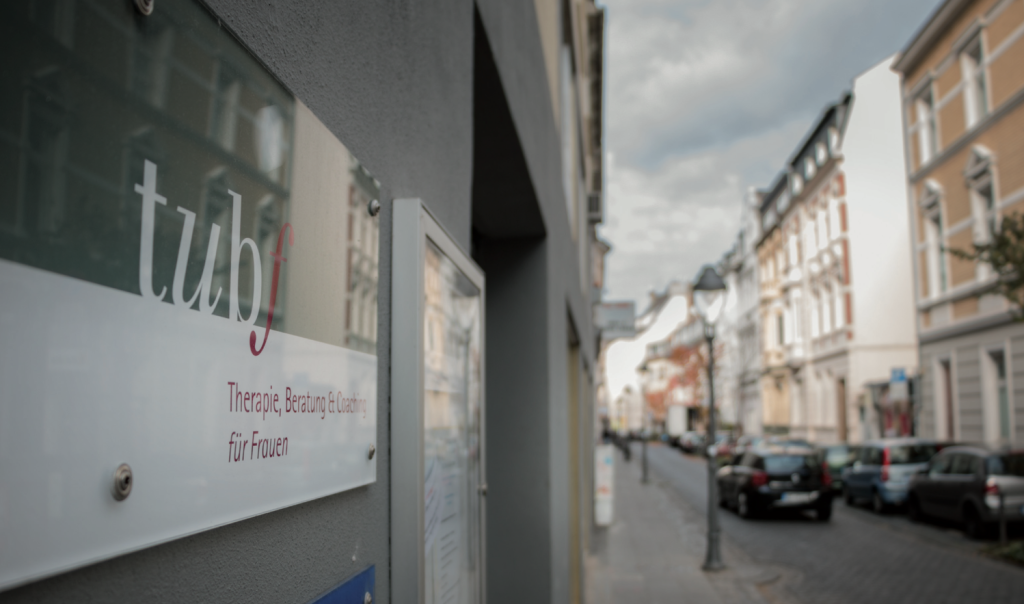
(373, 207)
(122, 486)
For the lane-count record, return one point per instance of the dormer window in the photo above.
(820, 152)
(783, 203)
(796, 184)
(809, 168)
(972, 65)
(833, 141)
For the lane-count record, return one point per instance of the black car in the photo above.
(776, 478)
(969, 485)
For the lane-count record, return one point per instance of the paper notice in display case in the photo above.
(451, 431)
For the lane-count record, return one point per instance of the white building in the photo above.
(836, 288)
(737, 380)
(628, 411)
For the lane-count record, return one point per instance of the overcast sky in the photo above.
(708, 97)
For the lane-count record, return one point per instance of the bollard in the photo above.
(1002, 518)
(644, 463)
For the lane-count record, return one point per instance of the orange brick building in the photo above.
(963, 87)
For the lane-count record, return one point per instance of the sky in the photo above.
(706, 98)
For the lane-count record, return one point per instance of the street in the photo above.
(856, 557)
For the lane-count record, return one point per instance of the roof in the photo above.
(928, 34)
(834, 114)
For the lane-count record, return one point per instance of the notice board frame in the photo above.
(413, 227)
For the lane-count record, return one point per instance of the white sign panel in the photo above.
(898, 389)
(92, 377)
(604, 484)
(615, 319)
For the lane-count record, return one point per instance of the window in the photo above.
(926, 126)
(940, 464)
(797, 317)
(1011, 464)
(833, 217)
(796, 184)
(787, 464)
(822, 229)
(936, 262)
(912, 454)
(946, 390)
(833, 141)
(972, 64)
(840, 306)
(809, 168)
(983, 207)
(815, 306)
(225, 114)
(826, 314)
(997, 394)
(821, 153)
(780, 329)
(961, 464)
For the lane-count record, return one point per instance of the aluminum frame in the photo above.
(413, 225)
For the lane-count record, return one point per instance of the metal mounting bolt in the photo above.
(373, 207)
(145, 6)
(122, 486)
(483, 490)
(370, 452)
(367, 599)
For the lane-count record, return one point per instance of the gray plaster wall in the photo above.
(515, 552)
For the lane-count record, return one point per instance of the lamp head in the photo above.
(708, 294)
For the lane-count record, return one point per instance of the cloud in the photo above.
(709, 97)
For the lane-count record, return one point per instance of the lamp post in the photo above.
(708, 300)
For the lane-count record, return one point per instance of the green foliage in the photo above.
(1005, 254)
(1011, 552)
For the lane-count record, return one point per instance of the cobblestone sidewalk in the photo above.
(653, 551)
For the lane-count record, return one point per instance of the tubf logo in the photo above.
(149, 200)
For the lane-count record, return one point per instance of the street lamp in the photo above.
(708, 301)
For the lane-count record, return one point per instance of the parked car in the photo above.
(965, 483)
(838, 458)
(881, 471)
(774, 478)
(745, 443)
(724, 445)
(691, 442)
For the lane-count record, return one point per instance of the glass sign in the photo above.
(188, 286)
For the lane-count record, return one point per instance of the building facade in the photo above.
(962, 91)
(738, 383)
(833, 320)
(228, 132)
(674, 373)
